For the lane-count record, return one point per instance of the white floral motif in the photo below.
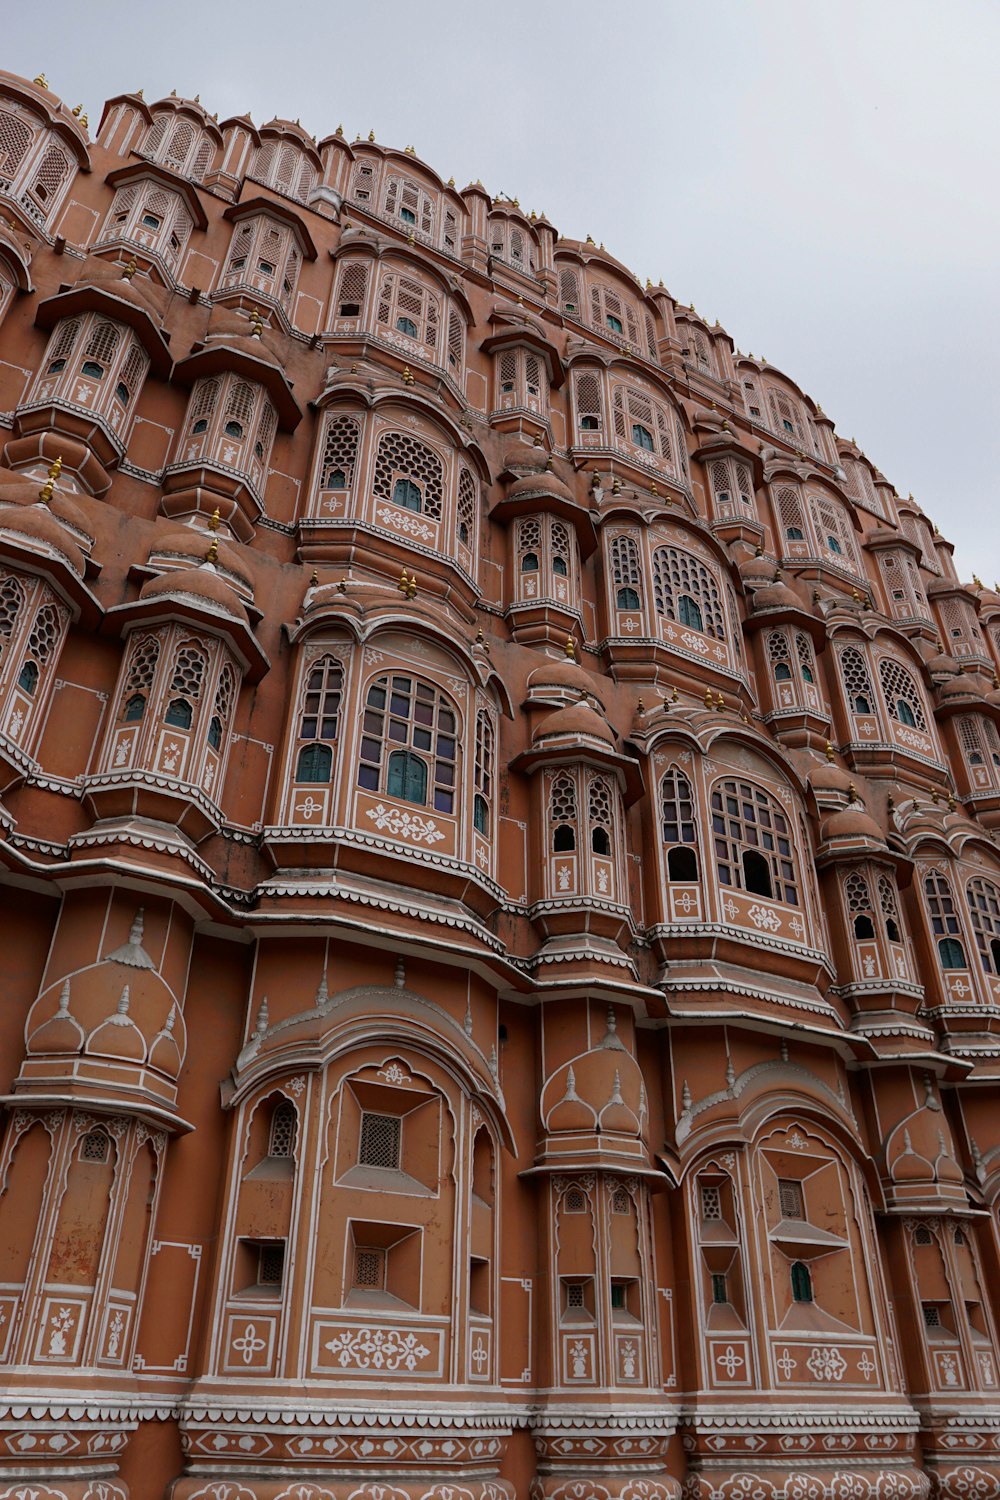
(866, 1365)
(826, 1364)
(405, 825)
(14, 723)
(578, 1354)
(249, 1344)
(377, 1348)
(762, 916)
(115, 1332)
(949, 1369)
(786, 1364)
(730, 1361)
(404, 520)
(563, 877)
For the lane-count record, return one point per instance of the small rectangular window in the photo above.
(350, 309)
(369, 1268)
(932, 1315)
(270, 1265)
(574, 1295)
(720, 1292)
(790, 1198)
(380, 1141)
(618, 1296)
(711, 1202)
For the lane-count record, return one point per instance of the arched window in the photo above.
(610, 311)
(409, 473)
(45, 632)
(753, 842)
(599, 815)
(404, 712)
(802, 1290)
(887, 905)
(341, 438)
(857, 682)
(835, 532)
(685, 590)
(945, 924)
(139, 678)
(351, 289)
(562, 814)
(641, 423)
(788, 505)
(483, 774)
(314, 765)
(901, 694)
(859, 906)
(804, 651)
(678, 825)
(779, 657)
(980, 744)
(984, 909)
(185, 687)
(466, 509)
(407, 777)
(11, 604)
(626, 572)
(732, 487)
(281, 1137)
(588, 400)
(402, 300)
(559, 543)
(318, 719)
(408, 201)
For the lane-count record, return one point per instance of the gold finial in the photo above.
(313, 579)
(408, 376)
(212, 555)
(758, 550)
(675, 695)
(138, 93)
(402, 584)
(829, 752)
(708, 697)
(590, 239)
(977, 581)
(856, 596)
(371, 135)
(570, 648)
(935, 796)
(640, 706)
(720, 703)
(520, 300)
(952, 804)
(41, 80)
(213, 520)
(256, 323)
(654, 487)
(45, 493)
(549, 465)
(411, 238)
(616, 488)
(131, 266)
(84, 121)
(354, 369)
(890, 804)
(595, 480)
(451, 182)
(537, 442)
(339, 131)
(77, 112)
(852, 792)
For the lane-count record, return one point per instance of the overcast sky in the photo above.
(819, 175)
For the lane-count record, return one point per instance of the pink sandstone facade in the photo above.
(501, 907)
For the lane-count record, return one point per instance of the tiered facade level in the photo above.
(501, 921)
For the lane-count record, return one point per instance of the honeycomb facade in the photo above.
(501, 905)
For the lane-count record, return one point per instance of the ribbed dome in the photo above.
(776, 595)
(562, 675)
(21, 489)
(757, 571)
(37, 525)
(139, 291)
(236, 332)
(184, 541)
(202, 584)
(542, 483)
(828, 777)
(577, 720)
(962, 686)
(852, 823)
